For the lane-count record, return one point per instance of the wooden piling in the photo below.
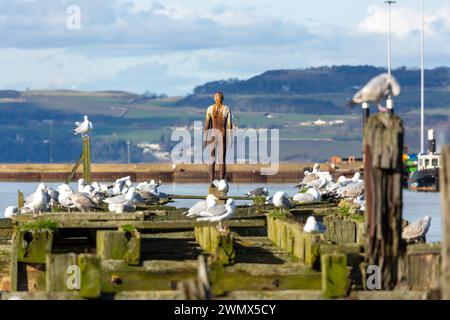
(334, 275)
(445, 203)
(56, 272)
(91, 275)
(383, 169)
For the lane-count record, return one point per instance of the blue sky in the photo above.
(171, 46)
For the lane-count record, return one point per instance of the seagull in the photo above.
(11, 211)
(219, 213)
(65, 192)
(201, 205)
(311, 195)
(121, 208)
(258, 192)
(83, 202)
(281, 200)
(38, 202)
(221, 185)
(130, 198)
(417, 230)
(377, 89)
(314, 226)
(352, 190)
(83, 127)
(83, 187)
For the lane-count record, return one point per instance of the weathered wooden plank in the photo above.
(444, 184)
(148, 224)
(56, 272)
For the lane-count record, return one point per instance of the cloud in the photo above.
(140, 45)
(406, 21)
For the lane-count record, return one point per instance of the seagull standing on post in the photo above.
(83, 127)
(377, 89)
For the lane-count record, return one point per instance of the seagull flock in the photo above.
(120, 197)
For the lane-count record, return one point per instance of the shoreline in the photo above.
(46, 172)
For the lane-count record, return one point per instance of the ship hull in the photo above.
(426, 180)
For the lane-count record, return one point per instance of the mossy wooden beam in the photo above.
(33, 245)
(220, 244)
(91, 275)
(288, 235)
(335, 280)
(120, 245)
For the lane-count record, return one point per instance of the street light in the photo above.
(389, 102)
(128, 151)
(422, 82)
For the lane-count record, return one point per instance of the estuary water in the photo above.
(416, 205)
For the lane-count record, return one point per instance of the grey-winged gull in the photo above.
(258, 192)
(201, 205)
(83, 201)
(377, 89)
(417, 230)
(219, 213)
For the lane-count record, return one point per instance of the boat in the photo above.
(426, 177)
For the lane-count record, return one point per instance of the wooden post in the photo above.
(384, 247)
(20, 199)
(444, 184)
(86, 160)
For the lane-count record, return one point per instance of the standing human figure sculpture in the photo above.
(218, 135)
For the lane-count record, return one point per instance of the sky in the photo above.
(172, 46)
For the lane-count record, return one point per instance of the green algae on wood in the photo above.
(335, 280)
(91, 275)
(33, 245)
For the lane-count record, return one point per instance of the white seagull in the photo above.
(221, 185)
(83, 127)
(219, 213)
(281, 200)
(201, 205)
(314, 226)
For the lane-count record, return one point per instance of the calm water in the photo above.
(416, 205)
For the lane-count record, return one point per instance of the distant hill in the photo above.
(317, 90)
(322, 80)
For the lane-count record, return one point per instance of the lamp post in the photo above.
(422, 83)
(389, 101)
(128, 152)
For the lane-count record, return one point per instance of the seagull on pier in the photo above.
(311, 195)
(219, 213)
(377, 89)
(314, 226)
(132, 197)
(202, 205)
(38, 201)
(11, 211)
(221, 185)
(281, 200)
(65, 192)
(83, 202)
(83, 127)
(258, 192)
(417, 230)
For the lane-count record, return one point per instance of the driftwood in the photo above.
(445, 203)
(383, 146)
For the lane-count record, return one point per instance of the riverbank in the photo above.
(166, 172)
